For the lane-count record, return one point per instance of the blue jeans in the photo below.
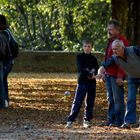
(115, 97)
(130, 115)
(7, 68)
(81, 91)
(2, 93)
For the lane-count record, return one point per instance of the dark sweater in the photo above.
(86, 65)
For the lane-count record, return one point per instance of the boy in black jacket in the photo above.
(87, 67)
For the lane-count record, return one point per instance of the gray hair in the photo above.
(118, 42)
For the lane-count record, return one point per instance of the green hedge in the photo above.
(30, 61)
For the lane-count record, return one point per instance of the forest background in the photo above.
(60, 25)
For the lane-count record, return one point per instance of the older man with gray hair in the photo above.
(129, 60)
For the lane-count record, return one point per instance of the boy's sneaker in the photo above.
(69, 124)
(86, 124)
(6, 103)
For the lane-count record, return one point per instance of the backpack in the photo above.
(14, 47)
(4, 48)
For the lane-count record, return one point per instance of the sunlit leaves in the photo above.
(57, 24)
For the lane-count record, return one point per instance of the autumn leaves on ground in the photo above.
(39, 108)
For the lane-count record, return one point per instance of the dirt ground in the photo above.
(39, 108)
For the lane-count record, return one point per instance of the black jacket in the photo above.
(87, 65)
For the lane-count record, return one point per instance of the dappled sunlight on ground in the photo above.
(39, 108)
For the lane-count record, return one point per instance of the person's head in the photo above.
(87, 46)
(118, 47)
(3, 22)
(113, 29)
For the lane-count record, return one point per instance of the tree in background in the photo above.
(128, 13)
(57, 24)
(62, 24)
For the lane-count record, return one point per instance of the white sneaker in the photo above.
(69, 124)
(86, 124)
(6, 103)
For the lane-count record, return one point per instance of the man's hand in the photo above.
(99, 76)
(101, 70)
(120, 81)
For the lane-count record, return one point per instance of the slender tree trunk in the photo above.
(127, 12)
(25, 18)
(133, 28)
(33, 25)
(120, 12)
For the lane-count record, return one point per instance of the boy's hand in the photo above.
(93, 77)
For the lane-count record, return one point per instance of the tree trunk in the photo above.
(133, 27)
(120, 12)
(127, 12)
(20, 9)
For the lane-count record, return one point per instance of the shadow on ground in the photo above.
(41, 114)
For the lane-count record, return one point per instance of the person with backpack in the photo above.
(4, 54)
(129, 60)
(8, 63)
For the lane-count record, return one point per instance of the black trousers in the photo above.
(82, 91)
